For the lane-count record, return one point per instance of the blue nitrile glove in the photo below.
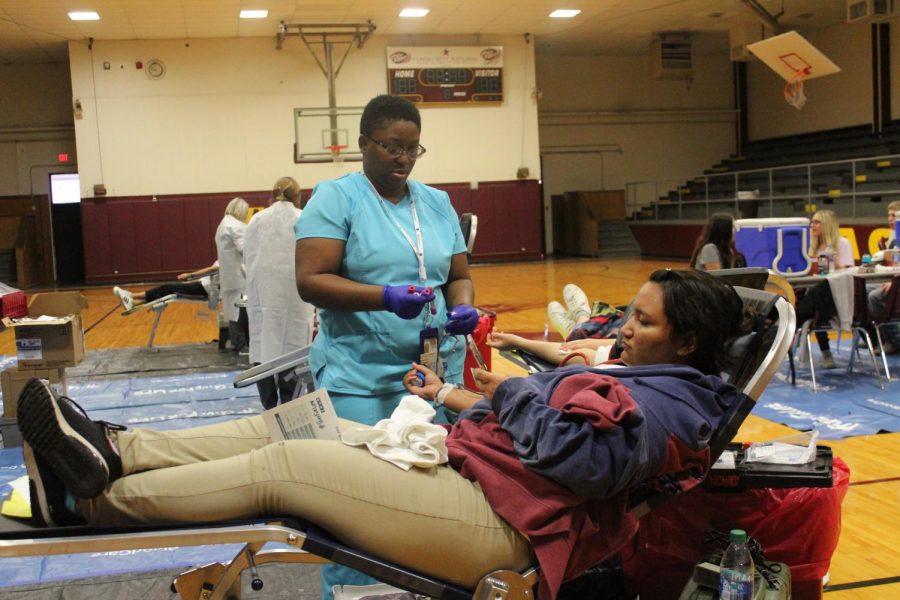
(462, 320)
(406, 301)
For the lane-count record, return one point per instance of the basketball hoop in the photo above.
(336, 156)
(795, 60)
(793, 89)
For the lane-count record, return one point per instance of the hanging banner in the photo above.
(446, 74)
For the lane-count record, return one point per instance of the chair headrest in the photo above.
(737, 349)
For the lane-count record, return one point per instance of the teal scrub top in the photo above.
(369, 352)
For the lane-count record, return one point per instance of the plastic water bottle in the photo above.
(822, 264)
(736, 569)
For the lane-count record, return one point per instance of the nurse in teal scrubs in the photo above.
(383, 259)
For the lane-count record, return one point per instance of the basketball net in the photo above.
(793, 89)
(336, 156)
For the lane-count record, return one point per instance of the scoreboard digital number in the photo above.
(447, 75)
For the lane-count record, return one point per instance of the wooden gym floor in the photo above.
(866, 565)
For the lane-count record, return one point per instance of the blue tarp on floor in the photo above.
(846, 405)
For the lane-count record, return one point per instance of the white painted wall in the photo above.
(222, 117)
(840, 100)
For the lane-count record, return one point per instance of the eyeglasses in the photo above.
(396, 150)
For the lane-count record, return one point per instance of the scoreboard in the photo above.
(446, 75)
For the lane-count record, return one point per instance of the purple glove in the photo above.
(462, 320)
(406, 301)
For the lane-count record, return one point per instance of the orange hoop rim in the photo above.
(794, 87)
(336, 149)
(797, 80)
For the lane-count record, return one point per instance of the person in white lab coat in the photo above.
(279, 320)
(232, 281)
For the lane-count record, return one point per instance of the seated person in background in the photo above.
(825, 240)
(538, 466)
(714, 248)
(890, 344)
(580, 320)
(182, 287)
(891, 241)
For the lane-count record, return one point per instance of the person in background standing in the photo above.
(232, 279)
(280, 321)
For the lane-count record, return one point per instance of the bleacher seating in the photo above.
(779, 176)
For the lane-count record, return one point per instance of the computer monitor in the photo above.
(65, 188)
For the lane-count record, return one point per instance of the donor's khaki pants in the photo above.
(434, 521)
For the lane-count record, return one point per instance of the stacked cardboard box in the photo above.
(48, 340)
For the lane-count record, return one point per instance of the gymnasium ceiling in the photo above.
(36, 31)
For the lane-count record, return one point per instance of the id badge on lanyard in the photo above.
(429, 337)
(429, 350)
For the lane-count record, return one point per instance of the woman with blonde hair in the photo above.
(232, 275)
(280, 321)
(825, 240)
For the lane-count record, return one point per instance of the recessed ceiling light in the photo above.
(254, 14)
(413, 12)
(564, 13)
(84, 15)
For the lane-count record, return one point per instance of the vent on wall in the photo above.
(875, 10)
(671, 56)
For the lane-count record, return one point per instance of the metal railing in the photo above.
(786, 191)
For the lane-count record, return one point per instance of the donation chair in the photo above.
(756, 358)
(468, 224)
(160, 305)
(857, 328)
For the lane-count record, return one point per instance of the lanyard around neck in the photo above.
(418, 247)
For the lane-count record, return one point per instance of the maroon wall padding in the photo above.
(95, 232)
(147, 233)
(129, 239)
(172, 235)
(122, 248)
(509, 218)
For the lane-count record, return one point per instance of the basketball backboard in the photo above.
(790, 54)
(325, 134)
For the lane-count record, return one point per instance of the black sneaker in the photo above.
(77, 449)
(48, 494)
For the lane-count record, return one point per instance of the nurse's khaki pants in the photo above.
(433, 520)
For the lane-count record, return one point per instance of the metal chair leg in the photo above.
(868, 339)
(887, 370)
(158, 309)
(812, 367)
